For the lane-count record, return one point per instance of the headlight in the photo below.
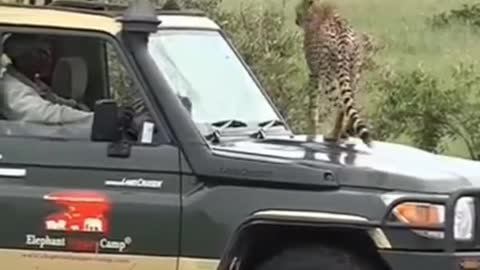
(464, 219)
(429, 215)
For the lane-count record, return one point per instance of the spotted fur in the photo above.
(333, 52)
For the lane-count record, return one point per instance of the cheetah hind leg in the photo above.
(335, 134)
(348, 131)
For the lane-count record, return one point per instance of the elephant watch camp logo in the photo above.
(80, 212)
(81, 223)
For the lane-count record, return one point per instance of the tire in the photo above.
(315, 257)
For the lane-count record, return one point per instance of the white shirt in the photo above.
(21, 102)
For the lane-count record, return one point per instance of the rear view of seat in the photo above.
(70, 77)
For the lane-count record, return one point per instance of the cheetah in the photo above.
(333, 52)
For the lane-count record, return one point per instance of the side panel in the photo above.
(212, 213)
(70, 197)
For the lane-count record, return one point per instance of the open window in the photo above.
(86, 71)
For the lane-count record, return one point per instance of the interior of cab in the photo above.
(81, 69)
(82, 72)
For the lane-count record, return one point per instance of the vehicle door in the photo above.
(66, 204)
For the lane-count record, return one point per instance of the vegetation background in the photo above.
(422, 87)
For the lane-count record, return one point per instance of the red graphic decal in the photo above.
(82, 211)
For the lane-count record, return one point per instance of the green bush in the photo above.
(468, 14)
(274, 54)
(414, 104)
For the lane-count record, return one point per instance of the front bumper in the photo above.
(408, 260)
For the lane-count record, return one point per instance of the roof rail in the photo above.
(34, 2)
(90, 5)
(116, 8)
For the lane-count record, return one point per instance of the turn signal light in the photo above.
(420, 214)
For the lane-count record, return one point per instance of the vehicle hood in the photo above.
(385, 165)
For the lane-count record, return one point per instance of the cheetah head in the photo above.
(318, 9)
(301, 10)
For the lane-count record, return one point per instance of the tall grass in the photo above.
(402, 29)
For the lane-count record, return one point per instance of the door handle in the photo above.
(11, 172)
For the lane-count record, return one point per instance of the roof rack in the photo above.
(115, 9)
(138, 16)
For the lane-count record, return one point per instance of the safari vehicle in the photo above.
(215, 178)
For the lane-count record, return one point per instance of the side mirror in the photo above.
(109, 126)
(106, 123)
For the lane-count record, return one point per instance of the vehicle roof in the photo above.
(31, 16)
(89, 19)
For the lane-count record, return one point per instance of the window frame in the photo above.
(165, 136)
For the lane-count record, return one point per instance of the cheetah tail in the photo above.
(362, 131)
(359, 127)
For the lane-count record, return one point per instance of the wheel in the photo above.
(315, 257)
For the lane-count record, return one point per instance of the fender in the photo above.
(298, 218)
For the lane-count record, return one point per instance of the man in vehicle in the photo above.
(22, 88)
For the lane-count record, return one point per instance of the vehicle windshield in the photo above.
(201, 65)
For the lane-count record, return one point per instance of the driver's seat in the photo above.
(70, 77)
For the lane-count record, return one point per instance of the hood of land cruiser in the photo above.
(384, 166)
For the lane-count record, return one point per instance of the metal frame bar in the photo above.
(450, 244)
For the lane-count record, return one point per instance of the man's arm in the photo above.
(24, 104)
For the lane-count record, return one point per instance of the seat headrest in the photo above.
(69, 79)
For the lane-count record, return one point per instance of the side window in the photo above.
(49, 83)
(121, 86)
(125, 92)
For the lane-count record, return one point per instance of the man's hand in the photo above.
(133, 123)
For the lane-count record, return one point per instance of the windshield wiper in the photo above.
(221, 125)
(264, 126)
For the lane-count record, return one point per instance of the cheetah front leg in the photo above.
(312, 109)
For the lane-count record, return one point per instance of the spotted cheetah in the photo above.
(333, 52)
